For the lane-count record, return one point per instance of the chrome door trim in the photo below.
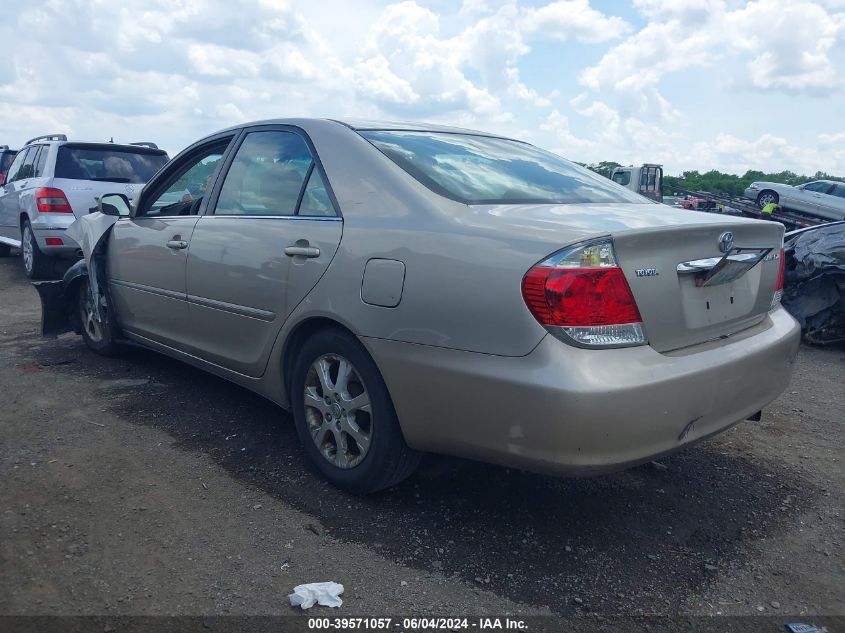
(252, 313)
(318, 218)
(170, 294)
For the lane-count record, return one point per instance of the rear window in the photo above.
(6, 159)
(108, 164)
(482, 170)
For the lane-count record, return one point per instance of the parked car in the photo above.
(53, 181)
(820, 198)
(6, 157)
(408, 288)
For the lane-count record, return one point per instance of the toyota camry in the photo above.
(408, 288)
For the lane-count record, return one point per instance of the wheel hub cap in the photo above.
(338, 411)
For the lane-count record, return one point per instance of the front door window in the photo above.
(184, 191)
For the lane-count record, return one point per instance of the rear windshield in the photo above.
(6, 159)
(482, 170)
(107, 164)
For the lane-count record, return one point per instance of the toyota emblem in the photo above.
(726, 242)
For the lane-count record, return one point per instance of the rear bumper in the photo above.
(54, 225)
(567, 410)
(752, 193)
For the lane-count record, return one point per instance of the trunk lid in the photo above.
(654, 239)
(676, 310)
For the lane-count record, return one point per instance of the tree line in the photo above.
(715, 181)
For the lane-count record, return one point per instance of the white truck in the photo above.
(645, 179)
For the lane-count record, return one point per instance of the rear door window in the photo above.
(315, 199)
(108, 163)
(818, 187)
(27, 169)
(41, 160)
(267, 176)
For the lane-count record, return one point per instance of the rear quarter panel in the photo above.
(462, 285)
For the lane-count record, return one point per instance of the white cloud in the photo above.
(791, 45)
(739, 155)
(784, 45)
(175, 70)
(573, 18)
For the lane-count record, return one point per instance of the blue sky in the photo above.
(692, 84)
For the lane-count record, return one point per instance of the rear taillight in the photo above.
(2, 178)
(776, 299)
(581, 295)
(52, 200)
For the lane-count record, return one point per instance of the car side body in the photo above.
(820, 198)
(433, 289)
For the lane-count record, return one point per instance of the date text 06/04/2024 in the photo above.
(415, 624)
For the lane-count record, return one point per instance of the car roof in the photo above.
(360, 125)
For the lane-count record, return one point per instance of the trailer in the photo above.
(647, 180)
(731, 205)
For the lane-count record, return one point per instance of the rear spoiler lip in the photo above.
(116, 147)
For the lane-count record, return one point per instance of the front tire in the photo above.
(36, 264)
(344, 415)
(767, 197)
(99, 335)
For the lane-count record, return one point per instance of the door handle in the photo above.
(177, 244)
(302, 251)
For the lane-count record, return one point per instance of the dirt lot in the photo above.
(138, 485)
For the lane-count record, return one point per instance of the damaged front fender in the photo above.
(59, 298)
(58, 301)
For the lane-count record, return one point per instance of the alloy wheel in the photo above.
(88, 317)
(27, 249)
(765, 198)
(338, 411)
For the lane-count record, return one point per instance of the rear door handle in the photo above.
(177, 245)
(302, 251)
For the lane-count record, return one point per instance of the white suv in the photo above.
(53, 181)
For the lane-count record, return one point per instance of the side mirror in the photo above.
(115, 204)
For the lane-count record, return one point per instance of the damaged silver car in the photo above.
(404, 288)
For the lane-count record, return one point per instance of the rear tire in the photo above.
(344, 415)
(767, 197)
(36, 264)
(99, 336)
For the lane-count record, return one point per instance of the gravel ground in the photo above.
(139, 485)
